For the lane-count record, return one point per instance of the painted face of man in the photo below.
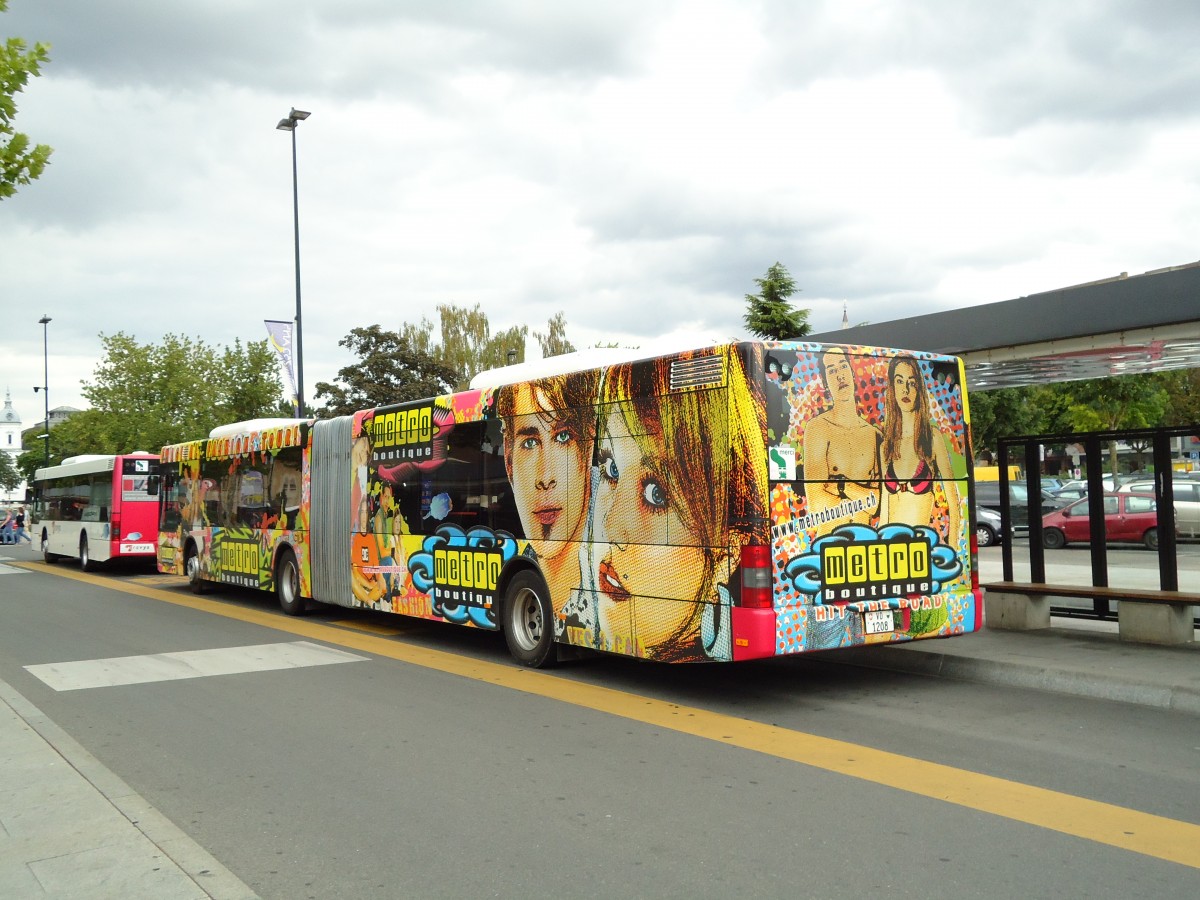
(839, 376)
(548, 468)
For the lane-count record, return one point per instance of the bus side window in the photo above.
(171, 499)
(459, 481)
(284, 492)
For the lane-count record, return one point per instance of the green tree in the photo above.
(19, 162)
(10, 475)
(146, 395)
(554, 342)
(468, 346)
(1005, 412)
(1104, 404)
(395, 367)
(769, 315)
(1183, 396)
(392, 367)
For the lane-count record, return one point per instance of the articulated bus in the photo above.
(97, 508)
(731, 502)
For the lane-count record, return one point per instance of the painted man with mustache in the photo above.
(549, 429)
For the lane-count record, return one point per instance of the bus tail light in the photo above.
(756, 577)
(115, 526)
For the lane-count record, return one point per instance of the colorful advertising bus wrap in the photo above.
(97, 508)
(733, 502)
(236, 503)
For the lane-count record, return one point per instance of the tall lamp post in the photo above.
(44, 321)
(289, 124)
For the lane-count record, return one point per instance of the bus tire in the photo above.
(287, 584)
(191, 568)
(86, 563)
(50, 558)
(528, 621)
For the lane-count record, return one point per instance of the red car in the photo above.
(1127, 517)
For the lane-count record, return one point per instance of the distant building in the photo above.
(10, 442)
(10, 436)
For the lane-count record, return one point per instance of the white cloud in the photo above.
(633, 165)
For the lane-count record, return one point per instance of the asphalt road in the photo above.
(429, 765)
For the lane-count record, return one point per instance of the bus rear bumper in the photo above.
(753, 633)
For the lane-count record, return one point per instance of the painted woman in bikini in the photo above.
(914, 455)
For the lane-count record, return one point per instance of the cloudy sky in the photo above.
(634, 164)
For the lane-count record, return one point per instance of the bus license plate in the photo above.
(879, 621)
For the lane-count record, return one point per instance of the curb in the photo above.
(193, 861)
(1176, 698)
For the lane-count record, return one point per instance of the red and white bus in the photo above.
(97, 508)
(730, 502)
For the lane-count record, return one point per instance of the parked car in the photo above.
(987, 495)
(1070, 494)
(989, 528)
(1051, 483)
(1127, 517)
(1187, 502)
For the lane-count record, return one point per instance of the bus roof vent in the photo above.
(697, 372)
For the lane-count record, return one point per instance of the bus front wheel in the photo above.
(287, 584)
(191, 568)
(528, 621)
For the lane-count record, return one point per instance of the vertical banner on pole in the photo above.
(280, 333)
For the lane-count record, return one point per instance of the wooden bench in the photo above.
(1148, 617)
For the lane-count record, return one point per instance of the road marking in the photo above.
(12, 570)
(1104, 823)
(94, 673)
(370, 627)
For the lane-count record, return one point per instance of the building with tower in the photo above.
(10, 443)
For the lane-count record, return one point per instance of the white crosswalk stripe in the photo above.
(92, 673)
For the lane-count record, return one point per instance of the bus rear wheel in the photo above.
(528, 621)
(85, 558)
(287, 584)
(191, 568)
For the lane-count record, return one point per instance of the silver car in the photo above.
(989, 528)
(1187, 502)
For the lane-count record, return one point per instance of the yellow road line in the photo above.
(1115, 826)
(369, 627)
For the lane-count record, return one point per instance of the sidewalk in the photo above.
(70, 828)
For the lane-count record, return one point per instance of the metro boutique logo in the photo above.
(875, 570)
(240, 562)
(404, 435)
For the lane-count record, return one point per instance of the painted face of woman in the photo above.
(647, 541)
(905, 386)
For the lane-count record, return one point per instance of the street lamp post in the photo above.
(289, 124)
(44, 321)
